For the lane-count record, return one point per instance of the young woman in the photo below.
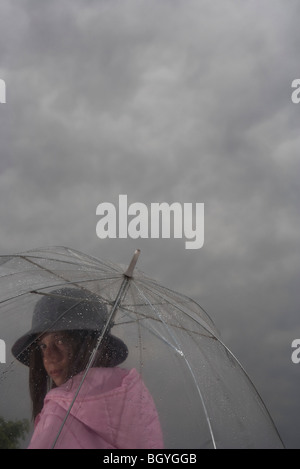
(110, 408)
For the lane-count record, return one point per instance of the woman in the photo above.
(111, 407)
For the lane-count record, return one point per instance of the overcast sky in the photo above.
(166, 101)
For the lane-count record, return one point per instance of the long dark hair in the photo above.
(83, 343)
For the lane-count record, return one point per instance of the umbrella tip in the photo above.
(129, 271)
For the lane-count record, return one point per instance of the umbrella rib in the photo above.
(38, 291)
(29, 258)
(56, 274)
(184, 297)
(94, 260)
(169, 301)
(190, 369)
(78, 282)
(45, 269)
(143, 317)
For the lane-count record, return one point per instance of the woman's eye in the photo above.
(60, 341)
(41, 347)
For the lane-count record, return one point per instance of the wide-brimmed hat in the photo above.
(69, 309)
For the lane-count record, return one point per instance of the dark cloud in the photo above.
(165, 101)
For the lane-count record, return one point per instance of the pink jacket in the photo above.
(113, 410)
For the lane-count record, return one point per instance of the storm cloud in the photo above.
(166, 101)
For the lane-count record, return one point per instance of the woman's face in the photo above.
(57, 354)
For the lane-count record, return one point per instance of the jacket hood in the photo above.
(113, 409)
(103, 390)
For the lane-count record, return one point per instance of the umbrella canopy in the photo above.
(201, 394)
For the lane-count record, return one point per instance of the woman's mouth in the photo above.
(55, 373)
(58, 376)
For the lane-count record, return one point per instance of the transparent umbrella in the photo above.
(198, 394)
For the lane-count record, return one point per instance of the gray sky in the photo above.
(166, 101)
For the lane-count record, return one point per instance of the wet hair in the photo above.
(82, 343)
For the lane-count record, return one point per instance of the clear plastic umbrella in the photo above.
(201, 394)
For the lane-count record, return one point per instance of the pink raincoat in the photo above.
(113, 410)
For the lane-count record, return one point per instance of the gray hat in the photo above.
(69, 309)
